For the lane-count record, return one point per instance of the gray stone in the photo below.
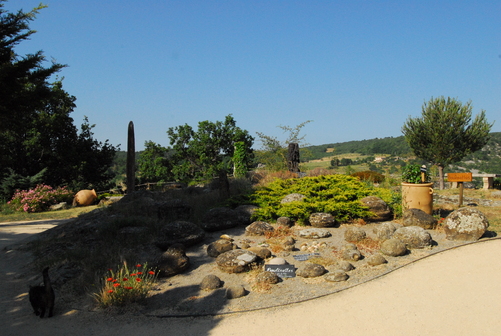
(393, 248)
(354, 234)
(311, 270)
(211, 282)
(376, 260)
(59, 206)
(258, 228)
(214, 249)
(293, 198)
(322, 219)
(385, 230)
(336, 276)
(173, 210)
(314, 233)
(351, 255)
(285, 221)
(414, 237)
(179, 232)
(417, 217)
(261, 252)
(235, 292)
(345, 265)
(220, 219)
(173, 261)
(268, 278)
(465, 224)
(236, 261)
(277, 261)
(381, 211)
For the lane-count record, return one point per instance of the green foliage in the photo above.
(412, 174)
(336, 194)
(153, 163)
(369, 175)
(239, 158)
(39, 199)
(445, 133)
(200, 155)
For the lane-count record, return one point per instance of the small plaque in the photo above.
(283, 271)
(304, 257)
(459, 177)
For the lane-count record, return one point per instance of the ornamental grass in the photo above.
(124, 286)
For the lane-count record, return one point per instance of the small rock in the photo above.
(376, 259)
(322, 219)
(285, 221)
(219, 246)
(261, 252)
(235, 261)
(354, 234)
(465, 224)
(235, 292)
(381, 210)
(293, 198)
(277, 261)
(345, 266)
(414, 237)
(393, 248)
(59, 206)
(314, 233)
(336, 276)
(268, 277)
(351, 255)
(258, 228)
(417, 217)
(211, 282)
(385, 230)
(311, 271)
(173, 261)
(226, 237)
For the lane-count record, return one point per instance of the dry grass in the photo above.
(324, 261)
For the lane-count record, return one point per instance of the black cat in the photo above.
(42, 297)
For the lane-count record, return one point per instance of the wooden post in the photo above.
(460, 178)
(131, 159)
(460, 193)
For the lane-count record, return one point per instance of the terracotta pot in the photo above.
(85, 197)
(417, 196)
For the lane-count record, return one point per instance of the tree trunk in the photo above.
(293, 158)
(441, 176)
(131, 159)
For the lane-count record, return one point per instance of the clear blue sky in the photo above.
(358, 69)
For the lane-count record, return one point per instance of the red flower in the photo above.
(138, 265)
(116, 285)
(138, 280)
(125, 279)
(139, 273)
(109, 279)
(151, 272)
(128, 287)
(110, 291)
(133, 274)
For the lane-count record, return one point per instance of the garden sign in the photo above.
(460, 178)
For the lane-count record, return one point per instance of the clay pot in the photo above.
(85, 197)
(417, 196)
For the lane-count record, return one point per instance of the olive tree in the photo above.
(445, 133)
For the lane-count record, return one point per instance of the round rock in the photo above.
(173, 261)
(235, 292)
(465, 224)
(220, 246)
(385, 230)
(417, 217)
(314, 233)
(393, 248)
(235, 261)
(258, 228)
(322, 219)
(381, 211)
(267, 277)
(376, 259)
(354, 234)
(285, 221)
(336, 276)
(311, 271)
(211, 282)
(414, 237)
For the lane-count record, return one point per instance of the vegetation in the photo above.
(39, 199)
(37, 133)
(412, 174)
(445, 133)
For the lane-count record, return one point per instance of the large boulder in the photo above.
(381, 211)
(466, 224)
(236, 261)
(220, 219)
(414, 237)
(173, 210)
(285, 221)
(173, 261)
(295, 197)
(322, 219)
(314, 233)
(258, 228)
(179, 232)
(385, 230)
(417, 217)
(245, 212)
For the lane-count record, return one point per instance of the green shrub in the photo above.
(338, 195)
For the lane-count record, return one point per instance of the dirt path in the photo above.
(456, 292)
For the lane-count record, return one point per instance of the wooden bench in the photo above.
(488, 180)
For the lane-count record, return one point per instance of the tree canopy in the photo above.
(445, 133)
(37, 135)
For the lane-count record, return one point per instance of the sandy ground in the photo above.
(456, 292)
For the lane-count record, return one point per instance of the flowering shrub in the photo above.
(40, 198)
(126, 286)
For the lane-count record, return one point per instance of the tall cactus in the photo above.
(131, 159)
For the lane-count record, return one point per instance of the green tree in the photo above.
(273, 152)
(445, 133)
(153, 163)
(37, 135)
(200, 155)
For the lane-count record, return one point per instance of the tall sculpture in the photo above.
(293, 158)
(131, 159)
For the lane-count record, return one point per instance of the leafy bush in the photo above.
(369, 175)
(338, 195)
(39, 199)
(412, 174)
